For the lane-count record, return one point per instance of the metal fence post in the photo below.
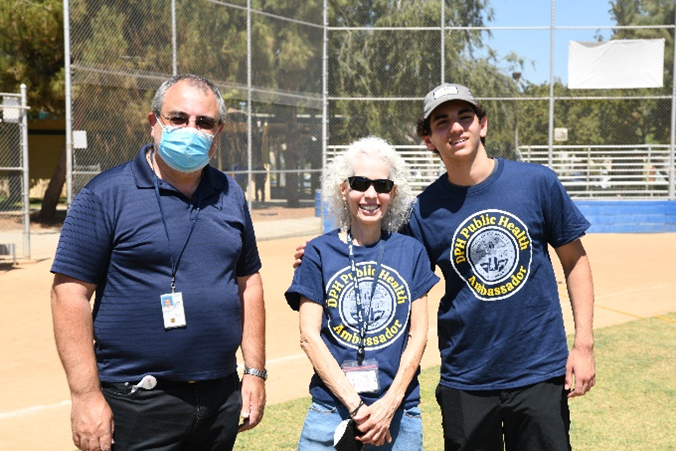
(249, 106)
(551, 84)
(26, 181)
(68, 102)
(325, 103)
(174, 62)
(443, 41)
(649, 175)
(672, 175)
(589, 159)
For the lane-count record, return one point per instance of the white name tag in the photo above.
(172, 310)
(364, 377)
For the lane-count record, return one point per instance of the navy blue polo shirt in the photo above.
(114, 237)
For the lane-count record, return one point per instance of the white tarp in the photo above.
(10, 114)
(629, 63)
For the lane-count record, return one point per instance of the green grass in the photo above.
(632, 406)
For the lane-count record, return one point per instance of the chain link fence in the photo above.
(304, 78)
(14, 202)
(122, 51)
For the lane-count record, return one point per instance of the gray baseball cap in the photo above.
(443, 93)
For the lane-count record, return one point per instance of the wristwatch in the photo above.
(263, 374)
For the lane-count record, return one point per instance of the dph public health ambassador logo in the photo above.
(492, 252)
(386, 314)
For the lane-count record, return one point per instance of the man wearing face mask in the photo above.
(164, 228)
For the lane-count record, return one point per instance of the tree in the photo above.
(31, 52)
(383, 64)
(647, 120)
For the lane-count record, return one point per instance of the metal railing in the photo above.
(600, 172)
(587, 172)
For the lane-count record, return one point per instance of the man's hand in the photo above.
(92, 422)
(91, 417)
(298, 256)
(253, 401)
(582, 367)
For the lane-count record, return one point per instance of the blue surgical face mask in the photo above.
(184, 149)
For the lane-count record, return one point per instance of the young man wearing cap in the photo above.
(506, 372)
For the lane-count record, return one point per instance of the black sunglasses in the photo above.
(202, 122)
(382, 186)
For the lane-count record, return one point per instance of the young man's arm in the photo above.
(581, 365)
(91, 417)
(253, 348)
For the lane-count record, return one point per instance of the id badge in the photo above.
(172, 310)
(364, 377)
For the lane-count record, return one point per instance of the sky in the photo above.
(534, 45)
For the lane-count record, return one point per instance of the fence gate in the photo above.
(14, 202)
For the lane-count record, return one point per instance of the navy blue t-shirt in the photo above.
(325, 277)
(500, 323)
(114, 237)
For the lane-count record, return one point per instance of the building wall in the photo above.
(46, 140)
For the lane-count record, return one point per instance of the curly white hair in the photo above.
(341, 168)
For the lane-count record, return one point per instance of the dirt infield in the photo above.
(633, 279)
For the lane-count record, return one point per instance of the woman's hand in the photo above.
(374, 422)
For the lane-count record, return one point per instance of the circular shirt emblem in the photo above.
(386, 313)
(378, 312)
(492, 252)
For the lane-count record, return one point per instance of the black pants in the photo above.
(175, 416)
(532, 418)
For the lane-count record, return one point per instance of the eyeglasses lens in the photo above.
(202, 122)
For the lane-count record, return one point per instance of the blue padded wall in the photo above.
(629, 216)
(606, 216)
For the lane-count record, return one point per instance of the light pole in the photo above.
(516, 76)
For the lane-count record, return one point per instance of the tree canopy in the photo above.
(31, 51)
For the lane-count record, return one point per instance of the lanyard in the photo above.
(174, 265)
(362, 312)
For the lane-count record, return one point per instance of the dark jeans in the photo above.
(532, 418)
(175, 416)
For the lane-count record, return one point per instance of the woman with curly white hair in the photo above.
(341, 168)
(362, 296)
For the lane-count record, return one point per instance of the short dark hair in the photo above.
(423, 125)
